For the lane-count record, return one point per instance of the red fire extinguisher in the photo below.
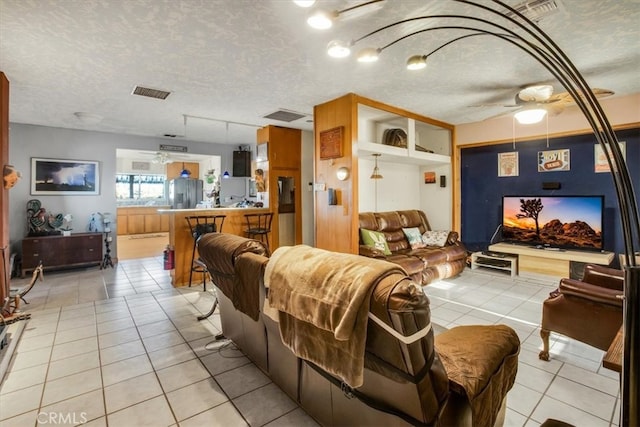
(169, 258)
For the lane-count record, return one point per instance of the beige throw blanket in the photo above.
(323, 300)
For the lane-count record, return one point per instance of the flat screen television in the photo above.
(563, 222)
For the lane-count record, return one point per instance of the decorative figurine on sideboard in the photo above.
(40, 222)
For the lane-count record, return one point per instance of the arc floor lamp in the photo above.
(507, 24)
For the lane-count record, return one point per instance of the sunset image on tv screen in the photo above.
(561, 221)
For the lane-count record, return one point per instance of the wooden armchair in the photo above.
(587, 310)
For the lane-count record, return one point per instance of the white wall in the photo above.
(435, 201)
(399, 188)
(26, 141)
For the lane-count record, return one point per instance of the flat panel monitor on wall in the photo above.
(565, 222)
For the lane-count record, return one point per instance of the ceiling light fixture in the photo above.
(304, 3)
(376, 172)
(162, 158)
(338, 49)
(530, 115)
(369, 54)
(417, 62)
(502, 21)
(323, 19)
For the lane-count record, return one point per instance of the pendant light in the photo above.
(376, 172)
(185, 173)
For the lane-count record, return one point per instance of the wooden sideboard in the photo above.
(58, 252)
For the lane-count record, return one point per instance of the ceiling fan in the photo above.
(535, 101)
(162, 158)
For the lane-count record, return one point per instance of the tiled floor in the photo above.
(121, 347)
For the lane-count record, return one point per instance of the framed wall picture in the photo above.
(429, 177)
(600, 160)
(64, 177)
(554, 161)
(331, 143)
(508, 164)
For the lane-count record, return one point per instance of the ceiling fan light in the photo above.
(417, 62)
(321, 19)
(304, 3)
(369, 54)
(530, 116)
(338, 49)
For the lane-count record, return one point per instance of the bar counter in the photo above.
(181, 240)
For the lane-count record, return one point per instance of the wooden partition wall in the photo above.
(336, 225)
(4, 193)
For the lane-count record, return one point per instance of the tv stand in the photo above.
(550, 262)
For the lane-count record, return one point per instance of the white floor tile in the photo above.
(125, 369)
(132, 391)
(195, 398)
(582, 397)
(71, 386)
(555, 409)
(183, 374)
(152, 413)
(224, 415)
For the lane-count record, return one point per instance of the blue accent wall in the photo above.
(482, 189)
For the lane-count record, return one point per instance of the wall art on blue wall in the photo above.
(600, 160)
(553, 161)
(508, 164)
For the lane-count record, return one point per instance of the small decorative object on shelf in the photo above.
(107, 261)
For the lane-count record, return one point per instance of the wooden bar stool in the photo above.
(259, 226)
(199, 226)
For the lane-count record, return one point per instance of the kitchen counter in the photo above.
(181, 240)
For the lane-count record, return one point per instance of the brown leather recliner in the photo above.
(424, 265)
(587, 310)
(405, 383)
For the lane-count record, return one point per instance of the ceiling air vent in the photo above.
(151, 93)
(535, 10)
(285, 116)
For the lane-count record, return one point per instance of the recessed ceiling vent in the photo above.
(535, 10)
(151, 93)
(285, 115)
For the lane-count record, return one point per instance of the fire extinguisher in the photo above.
(169, 258)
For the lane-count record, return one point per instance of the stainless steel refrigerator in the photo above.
(185, 193)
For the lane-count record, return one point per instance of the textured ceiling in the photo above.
(227, 63)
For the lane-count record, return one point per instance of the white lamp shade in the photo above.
(321, 20)
(368, 54)
(417, 62)
(338, 49)
(529, 116)
(304, 3)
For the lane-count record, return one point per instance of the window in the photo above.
(130, 187)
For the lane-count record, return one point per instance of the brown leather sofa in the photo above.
(424, 265)
(404, 383)
(587, 310)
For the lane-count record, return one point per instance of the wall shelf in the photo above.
(372, 124)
